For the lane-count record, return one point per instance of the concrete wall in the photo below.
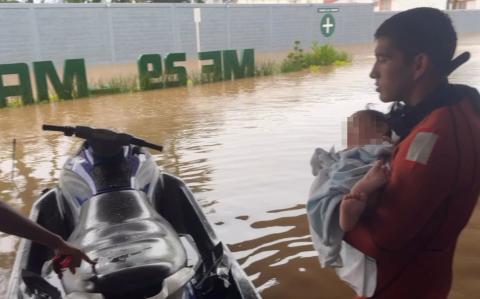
(465, 21)
(119, 33)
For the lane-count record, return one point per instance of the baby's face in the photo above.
(362, 130)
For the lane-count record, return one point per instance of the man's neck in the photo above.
(421, 92)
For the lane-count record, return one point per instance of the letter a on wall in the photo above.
(24, 87)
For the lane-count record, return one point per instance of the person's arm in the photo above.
(422, 177)
(12, 222)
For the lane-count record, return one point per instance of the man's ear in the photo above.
(421, 63)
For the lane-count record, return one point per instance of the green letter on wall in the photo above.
(171, 70)
(150, 79)
(212, 72)
(24, 89)
(72, 69)
(231, 65)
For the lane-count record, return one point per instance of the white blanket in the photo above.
(335, 174)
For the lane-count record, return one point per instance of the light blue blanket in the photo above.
(335, 174)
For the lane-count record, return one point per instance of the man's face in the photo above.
(394, 76)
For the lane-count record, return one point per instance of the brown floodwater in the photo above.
(243, 147)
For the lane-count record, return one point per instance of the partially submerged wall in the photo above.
(119, 33)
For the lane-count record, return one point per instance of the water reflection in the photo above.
(283, 264)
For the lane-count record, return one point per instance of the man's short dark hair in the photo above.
(422, 30)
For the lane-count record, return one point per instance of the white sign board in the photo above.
(326, 10)
(197, 17)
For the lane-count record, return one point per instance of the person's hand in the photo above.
(374, 179)
(64, 249)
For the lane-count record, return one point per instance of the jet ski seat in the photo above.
(136, 248)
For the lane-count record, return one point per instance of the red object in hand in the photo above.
(61, 262)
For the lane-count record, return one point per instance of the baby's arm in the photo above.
(353, 204)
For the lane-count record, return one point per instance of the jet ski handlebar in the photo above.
(101, 136)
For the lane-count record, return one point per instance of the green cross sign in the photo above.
(327, 25)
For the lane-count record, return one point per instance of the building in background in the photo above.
(463, 4)
(398, 5)
(379, 5)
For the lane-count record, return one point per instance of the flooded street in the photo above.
(243, 148)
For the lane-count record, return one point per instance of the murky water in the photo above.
(244, 149)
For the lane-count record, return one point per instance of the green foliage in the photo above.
(325, 55)
(120, 84)
(320, 55)
(13, 102)
(295, 60)
(267, 68)
(197, 78)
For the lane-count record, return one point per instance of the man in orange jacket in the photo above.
(435, 168)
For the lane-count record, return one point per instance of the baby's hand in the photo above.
(374, 179)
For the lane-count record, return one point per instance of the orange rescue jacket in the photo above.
(430, 196)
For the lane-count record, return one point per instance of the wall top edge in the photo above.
(444, 10)
(463, 10)
(193, 5)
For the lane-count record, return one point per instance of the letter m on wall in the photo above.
(240, 70)
(73, 72)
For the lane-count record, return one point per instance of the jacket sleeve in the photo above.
(422, 177)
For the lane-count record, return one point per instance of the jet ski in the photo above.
(142, 225)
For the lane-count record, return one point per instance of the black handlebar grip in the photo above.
(68, 131)
(155, 147)
(53, 128)
(141, 142)
(102, 135)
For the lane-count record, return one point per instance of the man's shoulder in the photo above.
(440, 120)
(465, 91)
(437, 121)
